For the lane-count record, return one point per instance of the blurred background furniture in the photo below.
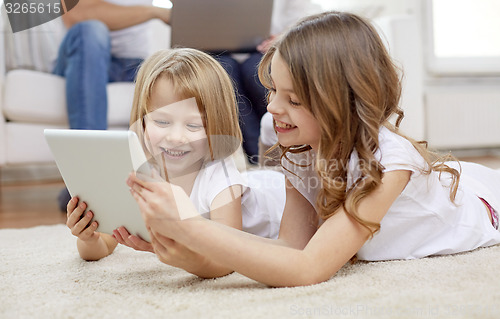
(31, 101)
(451, 111)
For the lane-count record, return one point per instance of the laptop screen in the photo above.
(220, 25)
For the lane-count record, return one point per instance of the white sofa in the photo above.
(31, 101)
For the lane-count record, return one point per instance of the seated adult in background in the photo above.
(106, 40)
(251, 93)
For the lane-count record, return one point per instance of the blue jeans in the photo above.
(251, 98)
(85, 61)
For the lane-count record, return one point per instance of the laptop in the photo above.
(220, 25)
(94, 166)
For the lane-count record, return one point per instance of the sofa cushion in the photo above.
(37, 97)
(26, 143)
(120, 97)
(34, 97)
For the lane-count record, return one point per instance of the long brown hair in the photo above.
(343, 74)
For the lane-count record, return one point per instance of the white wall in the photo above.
(371, 8)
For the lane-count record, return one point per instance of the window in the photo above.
(462, 37)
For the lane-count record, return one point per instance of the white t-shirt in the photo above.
(263, 197)
(422, 221)
(132, 42)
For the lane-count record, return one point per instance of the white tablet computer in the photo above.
(95, 166)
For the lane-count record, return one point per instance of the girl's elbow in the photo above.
(308, 275)
(300, 281)
(313, 278)
(213, 275)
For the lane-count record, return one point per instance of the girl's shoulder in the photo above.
(397, 152)
(212, 179)
(389, 140)
(394, 153)
(222, 170)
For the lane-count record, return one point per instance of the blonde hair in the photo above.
(343, 74)
(193, 74)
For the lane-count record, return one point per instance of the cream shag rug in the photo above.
(42, 276)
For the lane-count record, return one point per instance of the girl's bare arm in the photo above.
(102, 247)
(331, 246)
(91, 244)
(226, 210)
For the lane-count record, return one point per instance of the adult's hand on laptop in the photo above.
(266, 44)
(162, 13)
(122, 236)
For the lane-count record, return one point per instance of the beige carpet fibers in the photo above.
(41, 276)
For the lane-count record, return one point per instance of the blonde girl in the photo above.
(356, 187)
(184, 111)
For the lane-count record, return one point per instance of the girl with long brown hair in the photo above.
(356, 187)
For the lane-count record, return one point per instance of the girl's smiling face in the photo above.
(174, 130)
(294, 124)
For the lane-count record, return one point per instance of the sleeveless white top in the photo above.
(422, 221)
